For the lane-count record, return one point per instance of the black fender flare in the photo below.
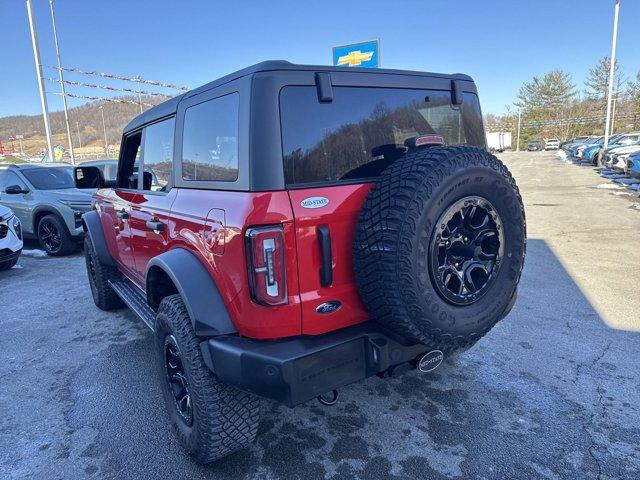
(93, 227)
(208, 313)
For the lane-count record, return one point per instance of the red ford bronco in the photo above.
(287, 230)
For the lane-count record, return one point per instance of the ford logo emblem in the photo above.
(328, 307)
(430, 361)
(314, 202)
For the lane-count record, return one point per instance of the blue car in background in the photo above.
(633, 165)
(577, 150)
(596, 153)
(590, 152)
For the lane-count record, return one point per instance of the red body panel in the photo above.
(212, 225)
(340, 214)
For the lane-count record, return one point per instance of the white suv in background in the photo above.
(551, 144)
(10, 238)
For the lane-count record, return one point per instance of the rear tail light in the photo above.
(267, 267)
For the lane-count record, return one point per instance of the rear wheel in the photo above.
(54, 236)
(440, 246)
(212, 419)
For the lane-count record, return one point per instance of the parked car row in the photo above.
(549, 144)
(44, 198)
(621, 152)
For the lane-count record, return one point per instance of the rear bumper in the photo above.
(295, 370)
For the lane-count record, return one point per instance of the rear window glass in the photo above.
(363, 129)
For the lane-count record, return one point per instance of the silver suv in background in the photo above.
(47, 203)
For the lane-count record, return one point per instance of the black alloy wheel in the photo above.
(466, 250)
(178, 383)
(50, 236)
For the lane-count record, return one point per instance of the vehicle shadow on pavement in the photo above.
(550, 392)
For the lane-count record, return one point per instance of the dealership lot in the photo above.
(552, 392)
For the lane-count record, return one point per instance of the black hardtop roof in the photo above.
(169, 107)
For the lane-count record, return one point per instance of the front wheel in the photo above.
(99, 275)
(212, 419)
(54, 236)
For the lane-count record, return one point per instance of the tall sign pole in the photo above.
(61, 77)
(43, 98)
(612, 67)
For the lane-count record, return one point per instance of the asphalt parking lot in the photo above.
(552, 392)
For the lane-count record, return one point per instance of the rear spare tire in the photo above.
(440, 246)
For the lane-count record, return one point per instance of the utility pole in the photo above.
(518, 136)
(612, 127)
(104, 129)
(616, 12)
(20, 137)
(79, 139)
(43, 98)
(61, 77)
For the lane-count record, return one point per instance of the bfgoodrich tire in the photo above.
(440, 246)
(212, 419)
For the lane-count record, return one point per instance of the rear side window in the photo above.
(210, 140)
(363, 129)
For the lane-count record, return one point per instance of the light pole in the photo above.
(61, 77)
(104, 129)
(79, 138)
(616, 12)
(43, 98)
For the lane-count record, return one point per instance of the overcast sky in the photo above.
(500, 43)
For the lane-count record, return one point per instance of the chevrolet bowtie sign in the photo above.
(365, 54)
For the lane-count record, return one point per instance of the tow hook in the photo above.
(329, 399)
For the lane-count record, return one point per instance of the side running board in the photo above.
(135, 300)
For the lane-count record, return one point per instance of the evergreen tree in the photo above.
(597, 81)
(549, 92)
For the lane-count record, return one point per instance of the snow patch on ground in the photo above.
(635, 206)
(35, 253)
(621, 193)
(609, 186)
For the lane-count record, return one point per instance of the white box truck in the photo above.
(498, 141)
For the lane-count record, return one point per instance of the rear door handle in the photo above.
(155, 226)
(326, 269)
(122, 215)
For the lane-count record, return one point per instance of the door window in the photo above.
(8, 179)
(157, 155)
(149, 151)
(129, 161)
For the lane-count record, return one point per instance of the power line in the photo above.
(108, 87)
(113, 76)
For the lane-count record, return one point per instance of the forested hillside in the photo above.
(87, 118)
